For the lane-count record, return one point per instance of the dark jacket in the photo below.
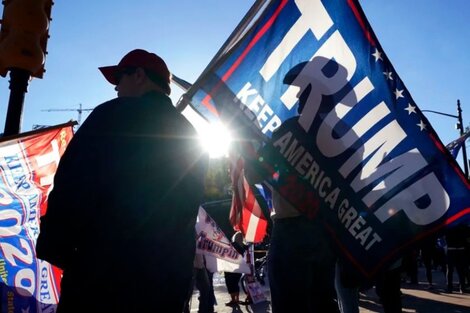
(120, 218)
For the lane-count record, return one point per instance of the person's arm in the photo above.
(71, 195)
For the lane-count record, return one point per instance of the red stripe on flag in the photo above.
(209, 105)
(362, 23)
(245, 213)
(245, 52)
(236, 169)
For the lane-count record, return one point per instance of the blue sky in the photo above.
(427, 42)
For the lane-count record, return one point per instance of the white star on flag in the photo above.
(388, 75)
(421, 125)
(398, 93)
(377, 55)
(410, 109)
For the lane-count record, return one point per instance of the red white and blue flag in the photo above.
(27, 166)
(363, 150)
(246, 214)
(455, 145)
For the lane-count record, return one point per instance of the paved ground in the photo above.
(416, 298)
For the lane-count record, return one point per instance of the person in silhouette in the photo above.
(456, 243)
(120, 218)
(301, 257)
(232, 280)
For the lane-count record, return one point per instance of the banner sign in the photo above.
(27, 167)
(361, 148)
(211, 242)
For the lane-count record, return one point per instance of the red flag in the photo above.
(245, 213)
(28, 163)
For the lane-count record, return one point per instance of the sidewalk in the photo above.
(223, 297)
(416, 298)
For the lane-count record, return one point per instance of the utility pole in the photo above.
(462, 131)
(23, 40)
(18, 87)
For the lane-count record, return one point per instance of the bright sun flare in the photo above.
(215, 139)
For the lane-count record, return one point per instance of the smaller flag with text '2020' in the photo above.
(28, 164)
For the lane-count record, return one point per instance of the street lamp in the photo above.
(460, 128)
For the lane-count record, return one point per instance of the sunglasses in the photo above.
(125, 71)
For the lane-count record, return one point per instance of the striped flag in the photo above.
(28, 163)
(245, 213)
(455, 145)
(361, 147)
(265, 191)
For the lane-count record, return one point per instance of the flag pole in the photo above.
(256, 9)
(460, 127)
(464, 149)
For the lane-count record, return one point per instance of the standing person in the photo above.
(120, 219)
(301, 263)
(232, 280)
(467, 255)
(410, 265)
(301, 259)
(440, 258)
(347, 289)
(387, 287)
(203, 281)
(428, 251)
(456, 242)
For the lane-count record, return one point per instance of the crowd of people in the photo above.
(432, 254)
(447, 254)
(120, 219)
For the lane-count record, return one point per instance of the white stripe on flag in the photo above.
(252, 228)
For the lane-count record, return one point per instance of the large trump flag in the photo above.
(361, 149)
(27, 166)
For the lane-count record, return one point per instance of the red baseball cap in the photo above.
(154, 66)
